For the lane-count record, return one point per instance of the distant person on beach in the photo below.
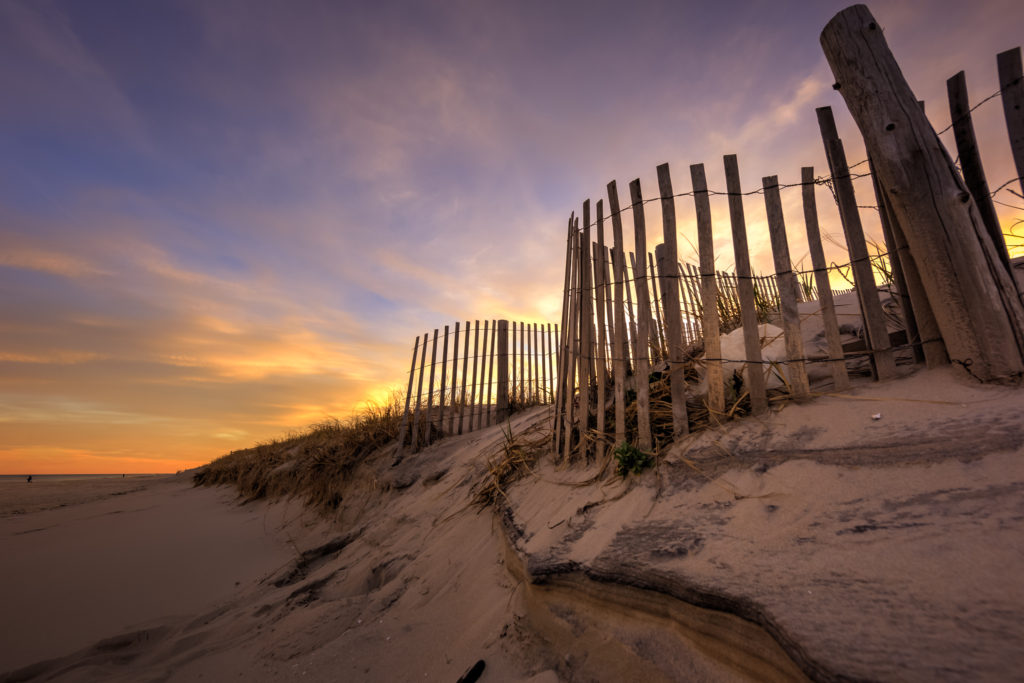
(30, 478)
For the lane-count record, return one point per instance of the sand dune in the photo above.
(817, 542)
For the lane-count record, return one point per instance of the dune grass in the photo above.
(314, 464)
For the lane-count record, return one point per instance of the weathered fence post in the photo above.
(602, 362)
(709, 294)
(473, 386)
(586, 328)
(444, 381)
(419, 393)
(643, 300)
(1011, 83)
(840, 377)
(572, 349)
(429, 422)
(465, 379)
(860, 263)
(502, 405)
(974, 299)
(748, 310)
(788, 288)
(620, 342)
(670, 293)
(970, 162)
(455, 377)
(490, 374)
(659, 321)
(560, 379)
(482, 407)
(408, 396)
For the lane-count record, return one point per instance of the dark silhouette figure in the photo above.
(30, 478)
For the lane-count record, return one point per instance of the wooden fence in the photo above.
(510, 365)
(640, 356)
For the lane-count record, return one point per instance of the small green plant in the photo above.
(629, 458)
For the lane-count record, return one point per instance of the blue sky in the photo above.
(224, 220)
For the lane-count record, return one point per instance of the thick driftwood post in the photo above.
(643, 300)
(748, 311)
(444, 380)
(840, 377)
(709, 292)
(419, 393)
(1011, 83)
(974, 299)
(860, 263)
(970, 162)
(620, 343)
(429, 421)
(408, 396)
(670, 293)
(502, 407)
(788, 288)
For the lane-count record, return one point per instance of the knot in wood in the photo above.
(964, 197)
(890, 126)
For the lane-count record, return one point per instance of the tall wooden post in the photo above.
(408, 397)
(455, 377)
(1011, 83)
(643, 386)
(840, 377)
(860, 261)
(788, 287)
(602, 361)
(748, 311)
(560, 380)
(465, 379)
(970, 162)
(670, 294)
(502, 405)
(419, 394)
(974, 299)
(429, 421)
(482, 408)
(620, 343)
(586, 327)
(490, 374)
(709, 293)
(473, 387)
(573, 348)
(444, 380)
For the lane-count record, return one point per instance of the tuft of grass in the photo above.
(630, 459)
(516, 458)
(314, 464)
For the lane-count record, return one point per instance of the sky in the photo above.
(221, 221)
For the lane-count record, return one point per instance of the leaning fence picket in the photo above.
(709, 294)
(419, 393)
(643, 389)
(428, 421)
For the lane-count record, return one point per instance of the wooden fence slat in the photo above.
(788, 288)
(501, 401)
(535, 373)
(601, 360)
(748, 312)
(428, 421)
(970, 163)
(408, 397)
(651, 339)
(609, 302)
(840, 377)
(659, 321)
(586, 327)
(620, 342)
(419, 394)
(572, 349)
(483, 408)
(1011, 83)
(630, 278)
(693, 279)
(542, 388)
(465, 379)
(455, 376)
(491, 407)
(709, 293)
(669, 267)
(643, 387)
(863, 274)
(513, 374)
(444, 383)
(473, 387)
(557, 430)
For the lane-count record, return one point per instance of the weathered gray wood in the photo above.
(620, 342)
(419, 394)
(692, 278)
(643, 387)
(444, 380)
(408, 397)
(501, 405)
(659, 321)
(896, 267)
(970, 163)
(630, 286)
(652, 329)
(602, 290)
(586, 328)
(482, 407)
(602, 361)
(860, 261)
(474, 386)
(535, 373)
(840, 377)
(557, 428)
(455, 377)
(429, 421)
(974, 300)
(688, 313)
(490, 374)
(513, 374)
(572, 350)
(748, 312)
(670, 293)
(709, 293)
(542, 383)
(609, 298)
(796, 372)
(465, 380)
(1011, 83)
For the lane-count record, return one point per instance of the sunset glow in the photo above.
(223, 221)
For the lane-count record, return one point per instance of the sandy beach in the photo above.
(819, 542)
